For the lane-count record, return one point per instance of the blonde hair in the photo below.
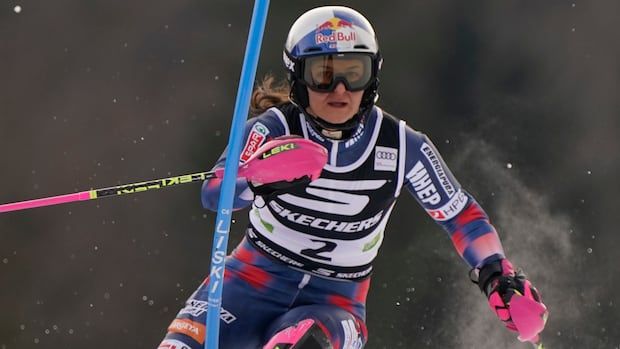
(268, 94)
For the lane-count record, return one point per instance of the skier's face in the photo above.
(339, 105)
(335, 107)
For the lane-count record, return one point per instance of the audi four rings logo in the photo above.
(385, 155)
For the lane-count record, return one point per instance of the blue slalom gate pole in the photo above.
(224, 209)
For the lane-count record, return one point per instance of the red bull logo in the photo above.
(333, 30)
(334, 23)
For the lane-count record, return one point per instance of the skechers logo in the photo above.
(326, 224)
(328, 196)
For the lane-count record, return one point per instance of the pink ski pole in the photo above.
(107, 192)
(303, 157)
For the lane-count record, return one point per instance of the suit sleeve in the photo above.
(432, 184)
(258, 130)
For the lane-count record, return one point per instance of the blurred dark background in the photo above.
(520, 97)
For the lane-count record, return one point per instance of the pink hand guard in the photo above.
(283, 159)
(515, 302)
(291, 335)
(298, 334)
(529, 316)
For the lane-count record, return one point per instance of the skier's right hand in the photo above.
(284, 163)
(277, 187)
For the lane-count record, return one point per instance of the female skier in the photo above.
(300, 276)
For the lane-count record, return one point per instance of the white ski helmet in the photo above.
(330, 33)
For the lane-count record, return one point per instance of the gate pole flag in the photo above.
(224, 210)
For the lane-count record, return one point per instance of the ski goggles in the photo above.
(323, 73)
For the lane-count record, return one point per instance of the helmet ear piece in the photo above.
(289, 78)
(370, 97)
(299, 94)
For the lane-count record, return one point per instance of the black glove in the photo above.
(280, 187)
(500, 282)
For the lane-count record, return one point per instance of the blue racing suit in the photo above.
(308, 252)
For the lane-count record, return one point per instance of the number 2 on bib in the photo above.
(314, 253)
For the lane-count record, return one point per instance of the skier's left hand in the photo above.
(513, 299)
